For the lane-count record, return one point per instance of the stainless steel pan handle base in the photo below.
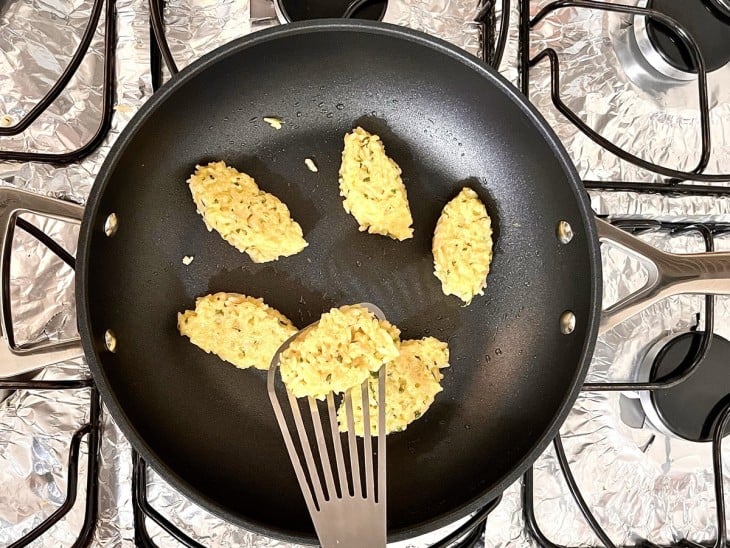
(669, 274)
(19, 359)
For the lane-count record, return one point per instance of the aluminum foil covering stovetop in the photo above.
(663, 491)
(660, 490)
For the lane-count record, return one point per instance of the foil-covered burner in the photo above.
(288, 11)
(653, 53)
(691, 409)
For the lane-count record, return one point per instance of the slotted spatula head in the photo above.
(346, 511)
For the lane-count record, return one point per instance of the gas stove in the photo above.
(639, 93)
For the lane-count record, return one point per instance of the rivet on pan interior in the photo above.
(564, 232)
(111, 224)
(110, 340)
(567, 322)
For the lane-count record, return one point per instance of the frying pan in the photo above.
(519, 353)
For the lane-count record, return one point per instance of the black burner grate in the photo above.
(110, 38)
(528, 507)
(676, 178)
(708, 231)
(90, 430)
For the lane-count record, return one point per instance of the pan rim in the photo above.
(90, 224)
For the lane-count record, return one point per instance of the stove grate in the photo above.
(676, 182)
(533, 528)
(110, 38)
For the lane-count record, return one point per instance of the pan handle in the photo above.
(18, 359)
(669, 274)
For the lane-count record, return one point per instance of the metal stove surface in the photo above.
(639, 484)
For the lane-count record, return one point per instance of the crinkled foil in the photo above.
(29, 66)
(638, 483)
(660, 490)
(661, 125)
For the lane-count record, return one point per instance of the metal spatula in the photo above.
(345, 512)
